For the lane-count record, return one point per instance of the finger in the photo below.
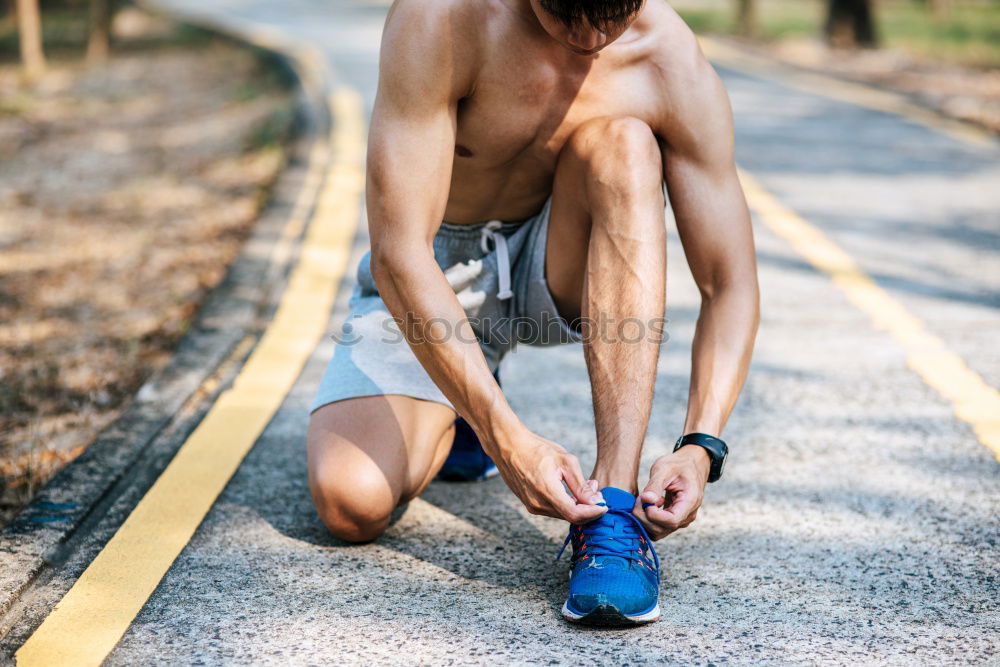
(577, 483)
(653, 494)
(667, 503)
(652, 501)
(685, 498)
(581, 513)
(654, 498)
(572, 511)
(682, 505)
(660, 516)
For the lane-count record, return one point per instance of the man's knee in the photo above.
(620, 153)
(353, 499)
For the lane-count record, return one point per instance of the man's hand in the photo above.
(673, 495)
(535, 469)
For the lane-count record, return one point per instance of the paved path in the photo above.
(858, 520)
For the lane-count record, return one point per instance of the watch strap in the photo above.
(716, 448)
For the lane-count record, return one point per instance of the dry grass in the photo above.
(125, 192)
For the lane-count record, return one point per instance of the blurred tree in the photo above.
(746, 17)
(99, 41)
(29, 27)
(939, 8)
(850, 24)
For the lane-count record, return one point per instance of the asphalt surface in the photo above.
(857, 521)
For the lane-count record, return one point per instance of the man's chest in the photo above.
(521, 114)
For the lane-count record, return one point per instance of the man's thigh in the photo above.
(389, 447)
(568, 239)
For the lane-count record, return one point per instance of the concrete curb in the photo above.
(134, 449)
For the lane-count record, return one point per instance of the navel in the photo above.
(462, 151)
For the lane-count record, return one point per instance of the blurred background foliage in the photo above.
(961, 32)
(33, 30)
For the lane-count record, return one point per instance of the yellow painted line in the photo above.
(315, 177)
(94, 614)
(973, 400)
(855, 93)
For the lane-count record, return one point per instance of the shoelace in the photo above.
(491, 232)
(601, 540)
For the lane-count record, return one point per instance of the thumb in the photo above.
(655, 490)
(653, 498)
(582, 513)
(578, 484)
(571, 510)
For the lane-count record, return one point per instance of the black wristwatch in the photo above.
(715, 447)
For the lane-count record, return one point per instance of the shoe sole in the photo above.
(607, 616)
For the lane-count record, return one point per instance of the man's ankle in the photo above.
(624, 480)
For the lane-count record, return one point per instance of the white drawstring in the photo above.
(491, 231)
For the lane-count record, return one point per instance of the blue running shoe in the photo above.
(467, 461)
(615, 575)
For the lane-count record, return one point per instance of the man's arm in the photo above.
(423, 74)
(714, 226)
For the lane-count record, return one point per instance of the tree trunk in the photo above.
(850, 24)
(29, 27)
(99, 41)
(746, 17)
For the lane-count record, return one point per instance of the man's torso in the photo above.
(530, 94)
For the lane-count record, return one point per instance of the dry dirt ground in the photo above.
(125, 192)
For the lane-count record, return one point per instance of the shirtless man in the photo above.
(562, 118)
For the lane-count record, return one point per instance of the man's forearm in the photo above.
(432, 320)
(720, 356)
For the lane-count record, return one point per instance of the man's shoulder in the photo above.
(429, 9)
(430, 31)
(674, 51)
(428, 20)
(427, 43)
(450, 19)
(692, 103)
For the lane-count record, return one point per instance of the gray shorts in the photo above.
(497, 270)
